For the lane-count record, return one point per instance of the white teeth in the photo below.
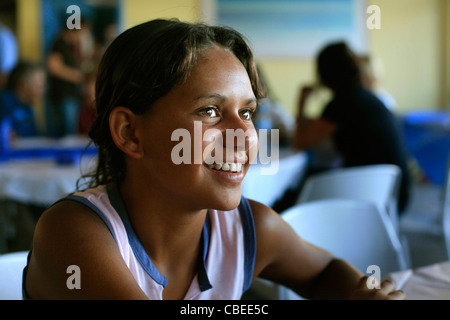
(233, 167)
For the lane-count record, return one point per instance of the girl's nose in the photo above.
(239, 135)
(235, 140)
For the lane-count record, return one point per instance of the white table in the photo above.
(67, 142)
(40, 181)
(40, 170)
(424, 283)
(268, 188)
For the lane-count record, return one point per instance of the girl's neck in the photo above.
(169, 232)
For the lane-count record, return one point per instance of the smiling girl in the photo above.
(148, 228)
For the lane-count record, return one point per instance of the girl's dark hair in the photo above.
(142, 65)
(338, 66)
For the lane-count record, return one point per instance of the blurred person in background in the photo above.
(65, 82)
(87, 112)
(362, 129)
(372, 73)
(25, 86)
(8, 53)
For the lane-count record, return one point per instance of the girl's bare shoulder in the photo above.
(71, 234)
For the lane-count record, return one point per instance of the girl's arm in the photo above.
(57, 68)
(71, 234)
(284, 257)
(310, 133)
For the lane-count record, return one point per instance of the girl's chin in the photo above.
(229, 202)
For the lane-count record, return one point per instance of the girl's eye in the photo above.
(247, 114)
(210, 112)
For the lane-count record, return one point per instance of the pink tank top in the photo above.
(229, 247)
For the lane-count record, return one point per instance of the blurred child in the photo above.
(25, 86)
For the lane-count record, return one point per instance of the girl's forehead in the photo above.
(216, 55)
(217, 75)
(216, 66)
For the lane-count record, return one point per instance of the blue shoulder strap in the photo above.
(94, 208)
(249, 241)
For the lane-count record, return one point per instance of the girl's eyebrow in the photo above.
(222, 98)
(218, 96)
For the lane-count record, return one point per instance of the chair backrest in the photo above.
(354, 230)
(379, 183)
(11, 268)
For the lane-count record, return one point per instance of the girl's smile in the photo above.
(231, 173)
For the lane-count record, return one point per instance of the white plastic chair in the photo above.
(379, 183)
(446, 210)
(354, 230)
(11, 268)
(427, 222)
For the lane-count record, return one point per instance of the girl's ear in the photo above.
(122, 123)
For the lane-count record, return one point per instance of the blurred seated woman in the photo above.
(362, 129)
